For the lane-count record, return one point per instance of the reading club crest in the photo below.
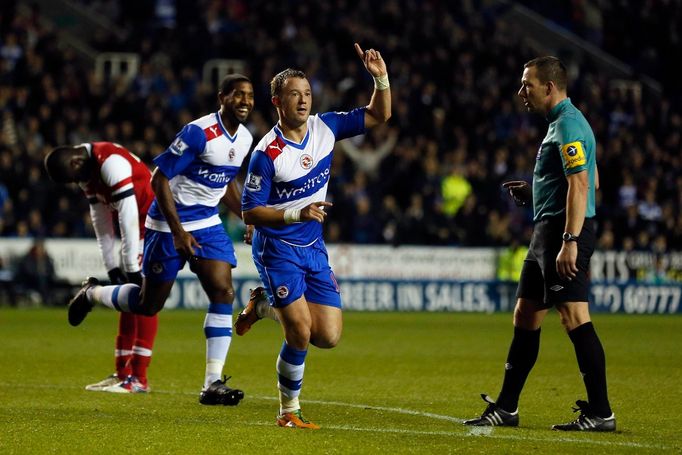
(282, 292)
(306, 161)
(231, 154)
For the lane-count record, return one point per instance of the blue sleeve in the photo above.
(345, 124)
(187, 145)
(258, 181)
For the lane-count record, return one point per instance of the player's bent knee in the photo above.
(527, 316)
(327, 339)
(326, 342)
(523, 318)
(297, 335)
(573, 315)
(149, 306)
(222, 294)
(149, 310)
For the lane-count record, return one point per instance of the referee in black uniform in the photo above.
(556, 270)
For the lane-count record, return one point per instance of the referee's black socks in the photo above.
(523, 353)
(592, 364)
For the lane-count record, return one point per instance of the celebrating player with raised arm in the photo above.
(192, 177)
(116, 183)
(284, 198)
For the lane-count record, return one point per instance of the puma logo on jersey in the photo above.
(212, 132)
(275, 148)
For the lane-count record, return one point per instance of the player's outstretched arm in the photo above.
(268, 216)
(379, 107)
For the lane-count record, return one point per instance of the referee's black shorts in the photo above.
(539, 278)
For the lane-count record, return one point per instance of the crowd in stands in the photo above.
(431, 177)
(642, 33)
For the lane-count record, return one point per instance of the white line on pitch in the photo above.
(489, 433)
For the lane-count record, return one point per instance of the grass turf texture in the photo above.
(397, 383)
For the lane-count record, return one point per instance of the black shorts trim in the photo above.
(539, 278)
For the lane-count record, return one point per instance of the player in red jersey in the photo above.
(117, 184)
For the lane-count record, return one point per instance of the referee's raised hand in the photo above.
(520, 191)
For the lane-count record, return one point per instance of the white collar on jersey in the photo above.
(225, 132)
(299, 145)
(88, 147)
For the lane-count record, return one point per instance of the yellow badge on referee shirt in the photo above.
(574, 154)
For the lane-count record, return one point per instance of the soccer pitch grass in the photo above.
(397, 383)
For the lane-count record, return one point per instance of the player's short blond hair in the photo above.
(280, 79)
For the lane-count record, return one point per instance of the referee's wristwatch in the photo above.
(568, 237)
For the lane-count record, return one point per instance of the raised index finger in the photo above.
(359, 51)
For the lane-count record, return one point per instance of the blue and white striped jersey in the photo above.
(199, 164)
(285, 174)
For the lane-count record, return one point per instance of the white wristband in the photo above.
(381, 82)
(292, 216)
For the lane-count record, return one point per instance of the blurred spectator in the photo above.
(606, 240)
(627, 193)
(469, 221)
(641, 34)
(648, 209)
(367, 158)
(455, 189)
(455, 131)
(510, 261)
(7, 285)
(658, 273)
(498, 230)
(35, 278)
(365, 224)
(5, 205)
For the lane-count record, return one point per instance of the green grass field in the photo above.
(397, 383)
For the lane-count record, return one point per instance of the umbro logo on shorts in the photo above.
(556, 288)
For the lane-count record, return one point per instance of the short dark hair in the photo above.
(57, 163)
(550, 69)
(278, 81)
(229, 81)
